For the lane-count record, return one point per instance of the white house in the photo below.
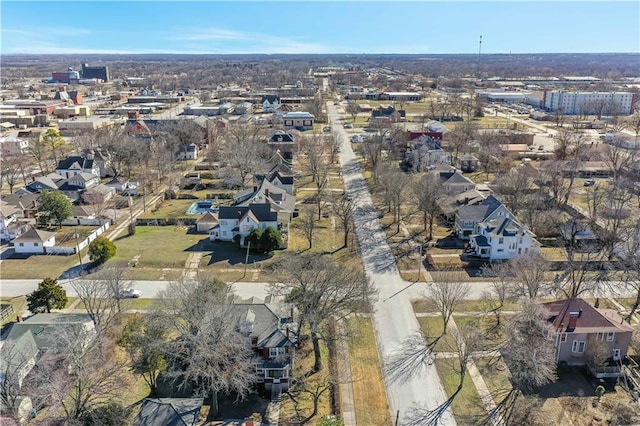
(270, 103)
(8, 216)
(502, 238)
(74, 165)
(242, 220)
(280, 201)
(300, 120)
(34, 241)
(469, 218)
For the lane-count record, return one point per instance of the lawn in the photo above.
(467, 406)
(368, 386)
(496, 376)
(432, 327)
(303, 365)
(36, 266)
(169, 209)
(158, 247)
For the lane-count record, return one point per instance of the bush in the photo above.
(101, 249)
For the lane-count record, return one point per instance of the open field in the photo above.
(368, 386)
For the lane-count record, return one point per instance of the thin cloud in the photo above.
(247, 42)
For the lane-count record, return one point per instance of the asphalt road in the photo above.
(393, 316)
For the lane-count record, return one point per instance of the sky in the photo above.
(321, 27)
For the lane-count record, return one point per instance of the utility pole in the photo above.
(419, 262)
(78, 249)
(246, 260)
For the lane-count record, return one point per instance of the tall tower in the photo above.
(480, 48)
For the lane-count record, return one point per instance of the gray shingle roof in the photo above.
(82, 162)
(169, 412)
(262, 212)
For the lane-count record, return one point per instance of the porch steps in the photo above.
(273, 410)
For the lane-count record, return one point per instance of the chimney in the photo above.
(266, 192)
(19, 318)
(579, 313)
(287, 332)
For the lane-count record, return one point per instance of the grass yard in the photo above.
(496, 376)
(432, 327)
(467, 406)
(368, 386)
(158, 247)
(426, 305)
(169, 209)
(36, 266)
(303, 365)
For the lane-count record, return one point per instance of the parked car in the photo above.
(356, 139)
(310, 200)
(541, 148)
(348, 126)
(326, 129)
(130, 293)
(589, 182)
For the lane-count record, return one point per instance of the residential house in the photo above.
(46, 326)
(283, 143)
(469, 163)
(243, 108)
(241, 220)
(27, 204)
(76, 185)
(101, 160)
(190, 154)
(98, 194)
(17, 357)
(452, 181)
(169, 412)
(206, 221)
(425, 153)
(469, 217)
(388, 112)
(74, 165)
(501, 238)
(281, 180)
(450, 204)
(8, 217)
(34, 241)
(49, 182)
(273, 337)
(119, 184)
(574, 324)
(270, 103)
(280, 201)
(300, 120)
(13, 146)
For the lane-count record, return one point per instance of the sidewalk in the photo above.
(345, 381)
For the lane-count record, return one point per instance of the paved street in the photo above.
(393, 318)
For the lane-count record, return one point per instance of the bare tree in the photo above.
(466, 341)
(446, 295)
(353, 109)
(501, 287)
(77, 373)
(101, 295)
(11, 168)
(529, 276)
(617, 159)
(428, 193)
(322, 288)
(244, 150)
(512, 187)
(395, 184)
(38, 150)
(630, 258)
(597, 352)
(208, 352)
(344, 209)
(17, 358)
(307, 221)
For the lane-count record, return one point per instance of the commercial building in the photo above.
(590, 103)
(101, 73)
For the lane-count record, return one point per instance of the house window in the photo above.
(21, 244)
(501, 240)
(246, 228)
(500, 250)
(563, 337)
(578, 347)
(275, 374)
(276, 352)
(610, 337)
(616, 354)
(35, 244)
(224, 233)
(600, 336)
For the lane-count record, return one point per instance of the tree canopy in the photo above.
(49, 295)
(54, 206)
(101, 249)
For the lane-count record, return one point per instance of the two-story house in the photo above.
(273, 336)
(74, 165)
(283, 143)
(574, 324)
(239, 220)
(50, 182)
(270, 103)
(281, 202)
(17, 213)
(469, 217)
(77, 184)
(502, 238)
(8, 217)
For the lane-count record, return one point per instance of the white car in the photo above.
(356, 138)
(130, 293)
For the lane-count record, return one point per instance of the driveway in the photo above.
(393, 318)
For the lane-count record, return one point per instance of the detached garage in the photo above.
(34, 241)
